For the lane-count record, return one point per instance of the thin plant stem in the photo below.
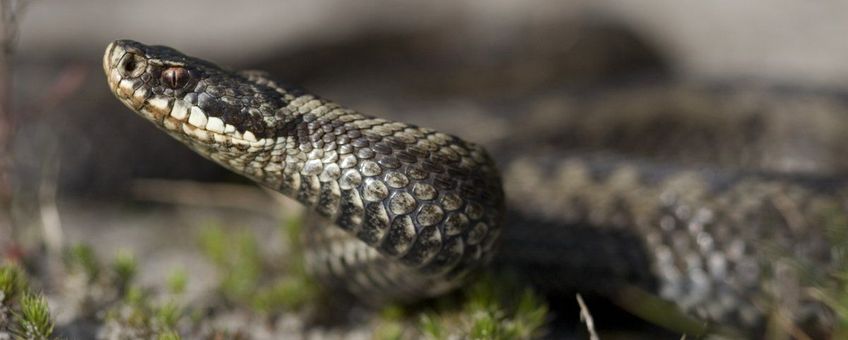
(10, 11)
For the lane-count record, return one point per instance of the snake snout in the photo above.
(107, 57)
(123, 57)
(114, 52)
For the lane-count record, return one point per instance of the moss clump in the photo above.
(12, 282)
(171, 335)
(392, 324)
(289, 293)
(81, 259)
(500, 308)
(295, 289)
(177, 281)
(236, 255)
(832, 290)
(126, 309)
(125, 268)
(494, 307)
(135, 315)
(34, 321)
(23, 314)
(245, 280)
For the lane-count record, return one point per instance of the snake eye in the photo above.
(175, 77)
(132, 65)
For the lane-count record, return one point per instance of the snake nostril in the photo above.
(131, 65)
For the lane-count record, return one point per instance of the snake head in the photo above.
(195, 100)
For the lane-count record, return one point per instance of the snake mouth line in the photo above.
(234, 138)
(161, 115)
(161, 112)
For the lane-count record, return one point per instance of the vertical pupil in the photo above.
(172, 77)
(175, 77)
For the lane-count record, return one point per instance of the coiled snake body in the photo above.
(411, 211)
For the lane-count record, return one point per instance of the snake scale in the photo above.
(410, 212)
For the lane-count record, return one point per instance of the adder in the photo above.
(409, 212)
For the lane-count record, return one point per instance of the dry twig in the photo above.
(586, 317)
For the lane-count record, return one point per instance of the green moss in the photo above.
(494, 307)
(292, 230)
(297, 287)
(832, 290)
(389, 331)
(288, 293)
(500, 308)
(249, 280)
(134, 296)
(485, 325)
(133, 312)
(33, 320)
(125, 268)
(23, 314)
(391, 323)
(177, 281)
(531, 313)
(215, 244)
(80, 258)
(168, 314)
(432, 327)
(236, 255)
(169, 335)
(137, 313)
(12, 282)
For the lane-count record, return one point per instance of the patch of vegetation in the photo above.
(177, 282)
(289, 293)
(137, 316)
(245, 273)
(392, 324)
(833, 289)
(23, 314)
(81, 258)
(125, 268)
(496, 306)
(12, 282)
(136, 313)
(34, 321)
(493, 308)
(828, 286)
(236, 255)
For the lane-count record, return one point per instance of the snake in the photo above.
(407, 212)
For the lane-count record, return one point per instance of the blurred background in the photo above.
(82, 168)
(369, 53)
(397, 56)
